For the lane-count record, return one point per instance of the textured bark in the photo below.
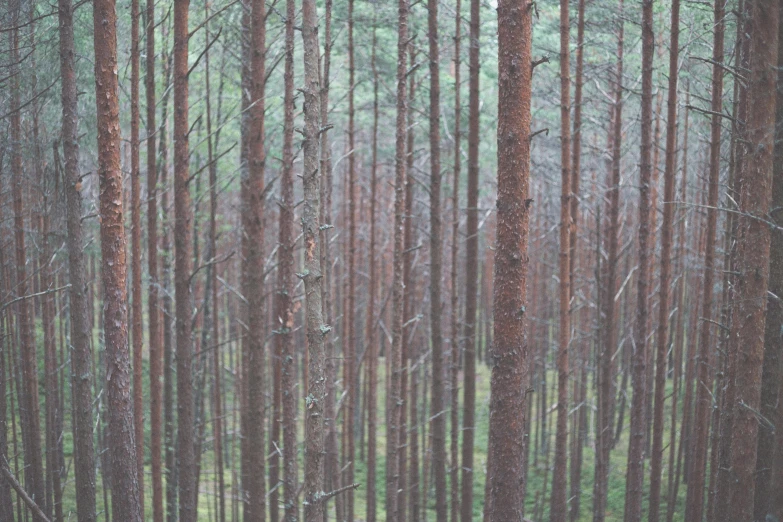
(696, 478)
(438, 402)
(635, 475)
(81, 353)
(510, 354)
(253, 457)
(126, 503)
(135, 203)
(471, 270)
(662, 336)
(765, 499)
(331, 462)
(748, 322)
(769, 460)
(559, 502)
(394, 394)
(608, 333)
(183, 259)
(311, 274)
(155, 352)
(285, 284)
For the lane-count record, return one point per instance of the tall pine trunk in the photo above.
(183, 259)
(126, 502)
(510, 355)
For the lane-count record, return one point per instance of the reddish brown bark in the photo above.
(253, 456)
(183, 259)
(126, 504)
(769, 460)
(748, 321)
(559, 506)
(510, 354)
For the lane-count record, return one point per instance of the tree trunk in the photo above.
(81, 352)
(183, 259)
(579, 433)
(155, 354)
(471, 270)
(135, 316)
(311, 274)
(748, 322)
(662, 336)
(559, 506)
(635, 475)
(126, 503)
(510, 355)
(372, 344)
(284, 322)
(437, 405)
(394, 409)
(455, 216)
(769, 473)
(253, 268)
(607, 343)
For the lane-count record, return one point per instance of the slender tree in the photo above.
(437, 405)
(285, 290)
(311, 274)
(471, 269)
(372, 345)
(183, 259)
(662, 335)
(510, 353)
(136, 320)
(394, 402)
(559, 502)
(155, 352)
(81, 353)
(455, 216)
(252, 270)
(126, 502)
(608, 330)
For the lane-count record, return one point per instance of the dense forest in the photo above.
(363, 260)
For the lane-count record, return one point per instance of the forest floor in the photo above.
(539, 478)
